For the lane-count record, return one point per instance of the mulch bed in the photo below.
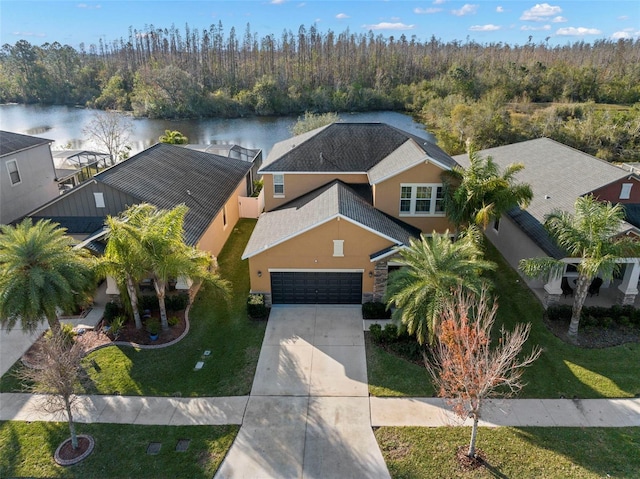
(467, 463)
(595, 337)
(66, 455)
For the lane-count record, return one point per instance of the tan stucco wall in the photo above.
(314, 250)
(514, 246)
(297, 185)
(386, 197)
(217, 234)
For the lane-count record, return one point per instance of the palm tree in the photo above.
(167, 257)
(433, 268)
(40, 273)
(123, 258)
(173, 137)
(481, 192)
(591, 234)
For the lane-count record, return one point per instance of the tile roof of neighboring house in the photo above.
(14, 142)
(168, 175)
(350, 147)
(335, 199)
(558, 175)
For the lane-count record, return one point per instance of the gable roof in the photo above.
(11, 143)
(347, 148)
(557, 174)
(333, 200)
(168, 175)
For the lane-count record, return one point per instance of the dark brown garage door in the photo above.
(316, 288)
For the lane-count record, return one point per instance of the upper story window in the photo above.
(14, 173)
(625, 193)
(421, 199)
(338, 247)
(99, 199)
(278, 185)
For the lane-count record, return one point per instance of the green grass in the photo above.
(224, 329)
(563, 370)
(532, 452)
(26, 450)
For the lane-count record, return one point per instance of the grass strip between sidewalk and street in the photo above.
(524, 453)
(27, 449)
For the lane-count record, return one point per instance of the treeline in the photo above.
(172, 73)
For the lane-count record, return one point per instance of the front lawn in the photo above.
(529, 452)
(224, 329)
(563, 370)
(26, 450)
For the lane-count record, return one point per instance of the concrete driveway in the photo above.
(308, 415)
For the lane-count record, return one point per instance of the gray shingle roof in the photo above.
(558, 175)
(168, 175)
(13, 142)
(345, 147)
(315, 208)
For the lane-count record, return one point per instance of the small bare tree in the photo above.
(56, 376)
(466, 369)
(112, 131)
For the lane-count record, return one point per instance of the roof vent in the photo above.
(547, 197)
(321, 158)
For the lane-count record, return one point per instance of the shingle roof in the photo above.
(315, 208)
(557, 174)
(168, 175)
(14, 142)
(346, 147)
(76, 224)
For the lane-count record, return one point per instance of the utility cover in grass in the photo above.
(183, 445)
(154, 448)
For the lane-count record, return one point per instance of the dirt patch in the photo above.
(595, 337)
(467, 463)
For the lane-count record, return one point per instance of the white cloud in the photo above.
(625, 34)
(500, 9)
(426, 11)
(277, 2)
(559, 19)
(300, 5)
(540, 12)
(484, 28)
(467, 9)
(389, 26)
(439, 2)
(623, 17)
(529, 28)
(577, 31)
(89, 7)
(29, 34)
(342, 16)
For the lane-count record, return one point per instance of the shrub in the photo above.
(559, 312)
(152, 325)
(624, 321)
(256, 309)
(148, 302)
(607, 322)
(173, 321)
(376, 333)
(66, 332)
(375, 310)
(177, 302)
(116, 325)
(111, 310)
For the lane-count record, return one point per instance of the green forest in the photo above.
(586, 95)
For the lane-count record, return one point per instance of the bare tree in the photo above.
(466, 369)
(311, 121)
(56, 376)
(112, 131)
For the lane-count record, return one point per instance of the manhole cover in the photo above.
(183, 445)
(154, 448)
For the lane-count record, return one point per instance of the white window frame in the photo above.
(99, 199)
(17, 170)
(338, 248)
(625, 192)
(276, 184)
(415, 190)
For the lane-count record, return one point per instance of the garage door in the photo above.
(316, 288)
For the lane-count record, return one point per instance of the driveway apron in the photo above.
(308, 414)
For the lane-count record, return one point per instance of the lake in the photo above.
(64, 125)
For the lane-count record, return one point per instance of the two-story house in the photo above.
(339, 200)
(27, 175)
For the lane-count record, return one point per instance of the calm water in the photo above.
(64, 125)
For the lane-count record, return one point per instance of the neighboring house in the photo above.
(558, 175)
(27, 175)
(339, 200)
(76, 166)
(165, 176)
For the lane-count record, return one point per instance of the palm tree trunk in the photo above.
(72, 426)
(133, 297)
(582, 287)
(474, 433)
(54, 324)
(160, 292)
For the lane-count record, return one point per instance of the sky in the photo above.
(484, 21)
